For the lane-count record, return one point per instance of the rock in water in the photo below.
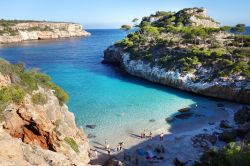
(228, 136)
(183, 110)
(220, 105)
(152, 120)
(242, 116)
(169, 120)
(225, 124)
(91, 126)
(184, 115)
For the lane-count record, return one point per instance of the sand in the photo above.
(177, 139)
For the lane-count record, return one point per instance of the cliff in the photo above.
(186, 50)
(18, 31)
(36, 127)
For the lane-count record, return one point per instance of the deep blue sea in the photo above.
(99, 94)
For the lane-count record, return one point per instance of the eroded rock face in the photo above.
(230, 89)
(43, 131)
(43, 30)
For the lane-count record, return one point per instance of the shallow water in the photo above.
(103, 95)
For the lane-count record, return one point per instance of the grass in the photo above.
(72, 144)
(39, 99)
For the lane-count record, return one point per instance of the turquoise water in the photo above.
(99, 94)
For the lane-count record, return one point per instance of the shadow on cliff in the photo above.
(117, 73)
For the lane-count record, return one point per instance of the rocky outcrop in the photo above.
(23, 31)
(232, 89)
(32, 134)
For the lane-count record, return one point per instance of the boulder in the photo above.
(152, 120)
(225, 124)
(183, 110)
(113, 162)
(178, 162)
(242, 116)
(228, 136)
(184, 115)
(91, 126)
(220, 105)
(169, 119)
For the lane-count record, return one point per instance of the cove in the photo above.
(101, 95)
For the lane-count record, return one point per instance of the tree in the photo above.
(135, 21)
(126, 28)
(225, 28)
(239, 28)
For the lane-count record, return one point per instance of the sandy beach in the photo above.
(177, 142)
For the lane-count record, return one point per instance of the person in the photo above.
(107, 146)
(118, 147)
(144, 134)
(196, 106)
(150, 135)
(109, 151)
(161, 137)
(162, 149)
(121, 145)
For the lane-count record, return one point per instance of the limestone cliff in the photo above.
(18, 31)
(37, 130)
(186, 50)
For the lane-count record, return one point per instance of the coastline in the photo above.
(177, 138)
(238, 91)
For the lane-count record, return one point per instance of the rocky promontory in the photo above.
(20, 30)
(187, 50)
(36, 127)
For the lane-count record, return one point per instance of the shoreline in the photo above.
(177, 139)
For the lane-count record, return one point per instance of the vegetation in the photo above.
(39, 99)
(72, 144)
(6, 27)
(38, 28)
(126, 28)
(171, 41)
(25, 82)
(232, 155)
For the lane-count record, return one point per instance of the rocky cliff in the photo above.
(36, 127)
(173, 49)
(18, 31)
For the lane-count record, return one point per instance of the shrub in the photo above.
(59, 93)
(12, 94)
(232, 155)
(72, 144)
(39, 99)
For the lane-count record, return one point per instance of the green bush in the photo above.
(232, 155)
(39, 99)
(59, 93)
(72, 143)
(125, 43)
(12, 94)
(29, 80)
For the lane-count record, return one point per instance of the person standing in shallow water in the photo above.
(161, 136)
(150, 135)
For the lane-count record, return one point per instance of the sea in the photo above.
(102, 95)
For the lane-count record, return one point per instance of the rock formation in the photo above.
(18, 31)
(160, 52)
(38, 134)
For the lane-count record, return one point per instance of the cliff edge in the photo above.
(187, 50)
(18, 30)
(36, 127)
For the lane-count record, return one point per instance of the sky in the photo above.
(103, 14)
